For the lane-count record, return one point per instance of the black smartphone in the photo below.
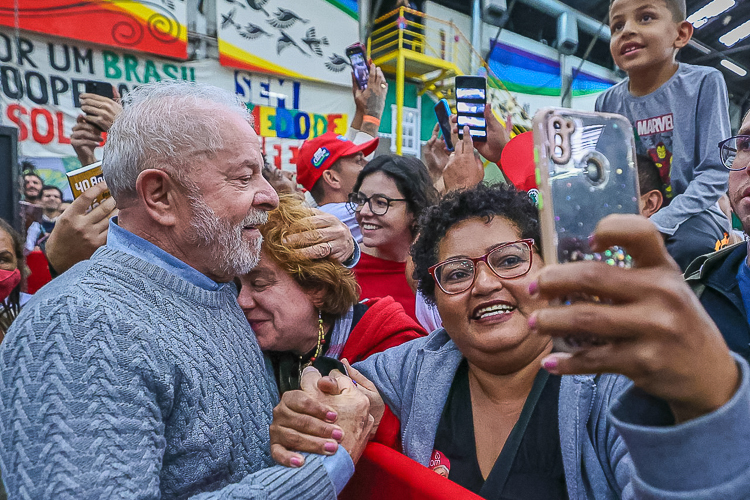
(103, 89)
(326, 365)
(358, 59)
(443, 113)
(471, 99)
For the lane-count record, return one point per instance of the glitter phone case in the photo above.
(586, 170)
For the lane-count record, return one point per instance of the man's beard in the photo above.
(229, 252)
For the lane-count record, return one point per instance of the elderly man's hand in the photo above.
(78, 234)
(328, 237)
(304, 420)
(655, 330)
(463, 171)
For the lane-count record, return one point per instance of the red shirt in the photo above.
(379, 278)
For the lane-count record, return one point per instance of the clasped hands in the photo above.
(327, 412)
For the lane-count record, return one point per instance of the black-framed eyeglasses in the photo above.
(735, 152)
(379, 203)
(509, 260)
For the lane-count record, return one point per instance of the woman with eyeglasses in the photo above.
(390, 193)
(514, 419)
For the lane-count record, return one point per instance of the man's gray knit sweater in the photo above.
(121, 380)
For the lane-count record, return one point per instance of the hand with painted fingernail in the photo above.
(650, 325)
(303, 421)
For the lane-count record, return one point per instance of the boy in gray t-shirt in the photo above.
(679, 113)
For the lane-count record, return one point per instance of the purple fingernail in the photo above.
(533, 288)
(532, 322)
(296, 462)
(331, 416)
(550, 364)
(337, 434)
(331, 447)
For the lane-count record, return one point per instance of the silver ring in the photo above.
(330, 248)
(383, 85)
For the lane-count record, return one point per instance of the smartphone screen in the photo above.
(471, 99)
(356, 56)
(103, 89)
(443, 113)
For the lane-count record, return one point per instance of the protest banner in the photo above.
(157, 27)
(42, 77)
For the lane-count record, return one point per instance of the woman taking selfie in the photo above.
(389, 195)
(475, 391)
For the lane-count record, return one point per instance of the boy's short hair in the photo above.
(676, 7)
(649, 178)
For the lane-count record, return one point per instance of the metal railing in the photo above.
(408, 29)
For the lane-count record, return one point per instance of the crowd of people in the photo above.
(219, 328)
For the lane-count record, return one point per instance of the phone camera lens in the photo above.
(595, 167)
(593, 171)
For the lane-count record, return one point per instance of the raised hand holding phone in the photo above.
(443, 114)
(100, 110)
(370, 101)
(656, 331)
(435, 155)
(358, 59)
(463, 171)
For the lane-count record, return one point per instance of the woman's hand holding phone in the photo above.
(656, 331)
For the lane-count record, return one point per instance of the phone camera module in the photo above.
(595, 167)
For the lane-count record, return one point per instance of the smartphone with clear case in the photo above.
(586, 170)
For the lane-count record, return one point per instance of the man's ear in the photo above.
(652, 202)
(332, 178)
(157, 190)
(684, 34)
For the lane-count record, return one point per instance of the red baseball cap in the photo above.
(318, 154)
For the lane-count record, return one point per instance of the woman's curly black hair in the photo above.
(481, 201)
(411, 177)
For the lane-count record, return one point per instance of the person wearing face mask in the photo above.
(12, 274)
(388, 197)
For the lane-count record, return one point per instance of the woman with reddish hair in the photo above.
(301, 309)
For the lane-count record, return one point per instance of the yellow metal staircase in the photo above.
(409, 45)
